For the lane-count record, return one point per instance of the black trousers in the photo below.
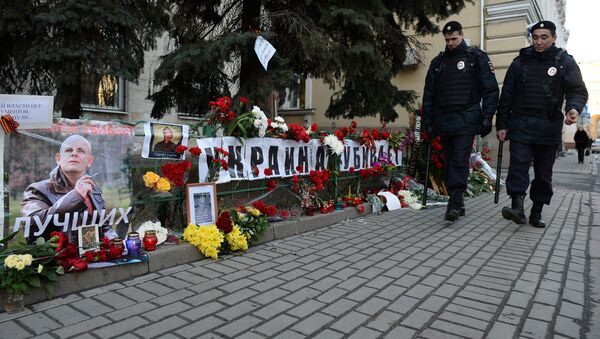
(580, 155)
(457, 150)
(517, 180)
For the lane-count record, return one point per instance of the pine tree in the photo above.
(51, 45)
(357, 47)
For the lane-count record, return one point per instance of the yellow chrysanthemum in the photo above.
(208, 239)
(236, 240)
(150, 179)
(18, 261)
(163, 185)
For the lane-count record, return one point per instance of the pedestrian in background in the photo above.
(459, 101)
(536, 84)
(582, 142)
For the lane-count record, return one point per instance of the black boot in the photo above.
(460, 204)
(515, 212)
(452, 212)
(535, 218)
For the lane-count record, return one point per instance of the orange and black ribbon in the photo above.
(9, 124)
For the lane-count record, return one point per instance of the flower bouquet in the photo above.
(26, 266)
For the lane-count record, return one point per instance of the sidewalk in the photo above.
(402, 274)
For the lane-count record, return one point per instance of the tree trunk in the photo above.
(250, 72)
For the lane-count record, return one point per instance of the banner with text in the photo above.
(285, 158)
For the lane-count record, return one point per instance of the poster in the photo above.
(161, 140)
(40, 165)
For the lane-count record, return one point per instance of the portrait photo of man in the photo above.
(202, 209)
(162, 140)
(69, 188)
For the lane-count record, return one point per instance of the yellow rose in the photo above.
(253, 211)
(150, 179)
(163, 185)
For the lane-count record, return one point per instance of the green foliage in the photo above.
(252, 223)
(357, 47)
(42, 272)
(51, 45)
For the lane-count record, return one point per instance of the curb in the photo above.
(174, 255)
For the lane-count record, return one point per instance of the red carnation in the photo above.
(300, 168)
(284, 214)
(360, 208)
(180, 149)
(314, 127)
(268, 171)
(243, 100)
(351, 170)
(224, 222)
(353, 124)
(195, 151)
(271, 185)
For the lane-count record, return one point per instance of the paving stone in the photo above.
(172, 297)
(364, 333)
(165, 311)
(501, 331)
(135, 309)
(277, 324)
(547, 297)
(467, 311)
(372, 306)
(200, 326)
(433, 303)
(82, 327)
(306, 308)
(403, 304)
(339, 307)
(457, 329)
(571, 310)
(91, 307)
(567, 326)
(160, 327)
(238, 326)
(312, 324)
(463, 320)
(542, 312)
(535, 328)
(384, 320)
(446, 290)
(401, 332)
(11, 329)
(349, 322)
(417, 318)
(511, 315)
(419, 291)
(66, 315)
(430, 333)
(232, 312)
(269, 311)
(120, 327)
(268, 296)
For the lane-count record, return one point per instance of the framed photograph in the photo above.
(161, 140)
(89, 238)
(202, 203)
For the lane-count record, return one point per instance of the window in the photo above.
(103, 92)
(297, 96)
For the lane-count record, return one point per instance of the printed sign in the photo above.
(30, 111)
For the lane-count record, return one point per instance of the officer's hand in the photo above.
(571, 117)
(84, 185)
(486, 127)
(501, 134)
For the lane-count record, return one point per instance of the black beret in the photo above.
(549, 25)
(452, 26)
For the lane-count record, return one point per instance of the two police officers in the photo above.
(459, 102)
(537, 83)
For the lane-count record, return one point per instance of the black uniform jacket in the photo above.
(460, 91)
(535, 87)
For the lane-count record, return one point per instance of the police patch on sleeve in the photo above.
(491, 66)
(551, 71)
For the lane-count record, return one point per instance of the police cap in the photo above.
(545, 24)
(452, 26)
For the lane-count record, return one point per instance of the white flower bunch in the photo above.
(161, 232)
(334, 144)
(279, 123)
(260, 121)
(411, 199)
(18, 261)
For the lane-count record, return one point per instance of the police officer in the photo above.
(536, 84)
(459, 101)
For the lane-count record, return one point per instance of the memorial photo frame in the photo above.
(89, 238)
(202, 203)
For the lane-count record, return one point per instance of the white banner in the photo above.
(30, 111)
(285, 158)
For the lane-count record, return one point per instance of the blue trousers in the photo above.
(517, 180)
(457, 150)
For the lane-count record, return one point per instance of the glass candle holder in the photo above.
(133, 243)
(150, 240)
